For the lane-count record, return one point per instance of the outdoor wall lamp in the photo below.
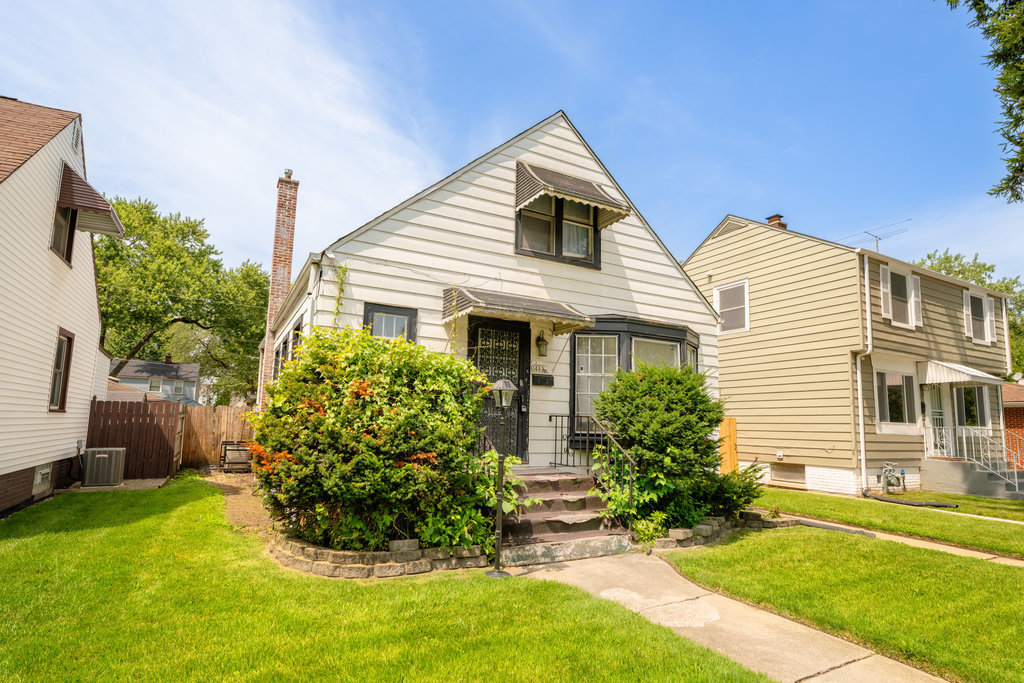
(542, 344)
(502, 391)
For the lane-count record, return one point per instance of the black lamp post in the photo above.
(503, 391)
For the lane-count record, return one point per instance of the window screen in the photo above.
(978, 330)
(732, 306)
(389, 325)
(900, 298)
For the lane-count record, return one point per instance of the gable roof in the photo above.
(152, 369)
(24, 129)
(509, 143)
(1013, 394)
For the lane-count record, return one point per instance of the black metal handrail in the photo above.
(616, 466)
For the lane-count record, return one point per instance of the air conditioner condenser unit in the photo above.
(103, 466)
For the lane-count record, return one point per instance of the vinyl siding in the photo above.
(39, 293)
(462, 233)
(942, 336)
(787, 380)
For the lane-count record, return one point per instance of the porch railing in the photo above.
(1015, 450)
(982, 446)
(576, 438)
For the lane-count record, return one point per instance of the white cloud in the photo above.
(200, 106)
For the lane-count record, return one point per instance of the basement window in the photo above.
(41, 479)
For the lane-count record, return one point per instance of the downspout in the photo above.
(860, 381)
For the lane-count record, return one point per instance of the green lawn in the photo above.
(973, 505)
(956, 616)
(156, 585)
(997, 537)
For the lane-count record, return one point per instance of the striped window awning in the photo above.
(463, 301)
(95, 214)
(533, 181)
(938, 372)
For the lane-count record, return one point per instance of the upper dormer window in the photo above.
(561, 217)
(558, 228)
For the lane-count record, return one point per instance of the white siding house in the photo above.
(533, 244)
(51, 364)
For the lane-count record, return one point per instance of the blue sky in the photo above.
(843, 116)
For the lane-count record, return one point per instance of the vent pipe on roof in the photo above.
(775, 220)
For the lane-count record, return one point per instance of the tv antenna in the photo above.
(876, 235)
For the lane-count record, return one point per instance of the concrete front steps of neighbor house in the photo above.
(958, 476)
(566, 525)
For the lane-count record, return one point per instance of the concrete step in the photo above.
(534, 524)
(539, 484)
(565, 547)
(567, 501)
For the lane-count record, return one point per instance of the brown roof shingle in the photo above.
(24, 129)
(1013, 393)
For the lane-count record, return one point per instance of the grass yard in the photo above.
(955, 616)
(997, 537)
(972, 505)
(156, 585)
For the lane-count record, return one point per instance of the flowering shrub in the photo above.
(665, 419)
(364, 440)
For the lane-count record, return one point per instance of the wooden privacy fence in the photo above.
(727, 433)
(206, 427)
(150, 433)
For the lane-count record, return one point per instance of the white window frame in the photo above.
(746, 305)
(179, 386)
(982, 392)
(41, 478)
(915, 304)
(988, 304)
(906, 369)
(577, 373)
(632, 348)
(159, 386)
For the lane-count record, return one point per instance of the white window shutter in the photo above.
(886, 291)
(967, 314)
(915, 285)
(990, 319)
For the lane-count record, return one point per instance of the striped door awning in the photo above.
(938, 372)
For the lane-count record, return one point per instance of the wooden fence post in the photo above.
(727, 448)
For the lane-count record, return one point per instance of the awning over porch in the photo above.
(462, 301)
(937, 372)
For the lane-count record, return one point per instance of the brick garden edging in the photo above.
(402, 558)
(716, 528)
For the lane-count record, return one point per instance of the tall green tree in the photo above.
(1002, 24)
(981, 273)
(164, 290)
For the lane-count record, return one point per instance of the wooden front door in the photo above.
(501, 349)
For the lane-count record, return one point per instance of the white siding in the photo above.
(39, 293)
(462, 233)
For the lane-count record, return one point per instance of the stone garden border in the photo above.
(716, 528)
(401, 559)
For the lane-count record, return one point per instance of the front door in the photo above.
(501, 350)
(942, 435)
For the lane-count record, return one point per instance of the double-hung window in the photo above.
(731, 304)
(155, 386)
(896, 398)
(179, 386)
(971, 406)
(63, 237)
(390, 322)
(979, 318)
(61, 371)
(901, 298)
(560, 229)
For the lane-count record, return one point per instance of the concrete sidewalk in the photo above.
(760, 640)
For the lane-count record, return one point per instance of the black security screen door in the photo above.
(501, 350)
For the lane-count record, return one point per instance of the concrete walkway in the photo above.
(760, 640)
(921, 543)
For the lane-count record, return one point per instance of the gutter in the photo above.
(860, 381)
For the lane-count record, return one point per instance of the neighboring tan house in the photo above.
(531, 260)
(827, 385)
(170, 381)
(52, 364)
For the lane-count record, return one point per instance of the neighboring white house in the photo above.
(170, 381)
(51, 364)
(531, 260)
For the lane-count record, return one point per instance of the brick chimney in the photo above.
(280, 270)
(167, 359)
(775, 220)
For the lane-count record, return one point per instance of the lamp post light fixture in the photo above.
(503, 392)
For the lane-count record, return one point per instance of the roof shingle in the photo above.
(24, 129)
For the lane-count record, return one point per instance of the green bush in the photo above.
(364, 440)
(665, 419)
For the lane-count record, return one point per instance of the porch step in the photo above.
(568, 501)
(538, 484)
(565, 547)
(554, 522)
